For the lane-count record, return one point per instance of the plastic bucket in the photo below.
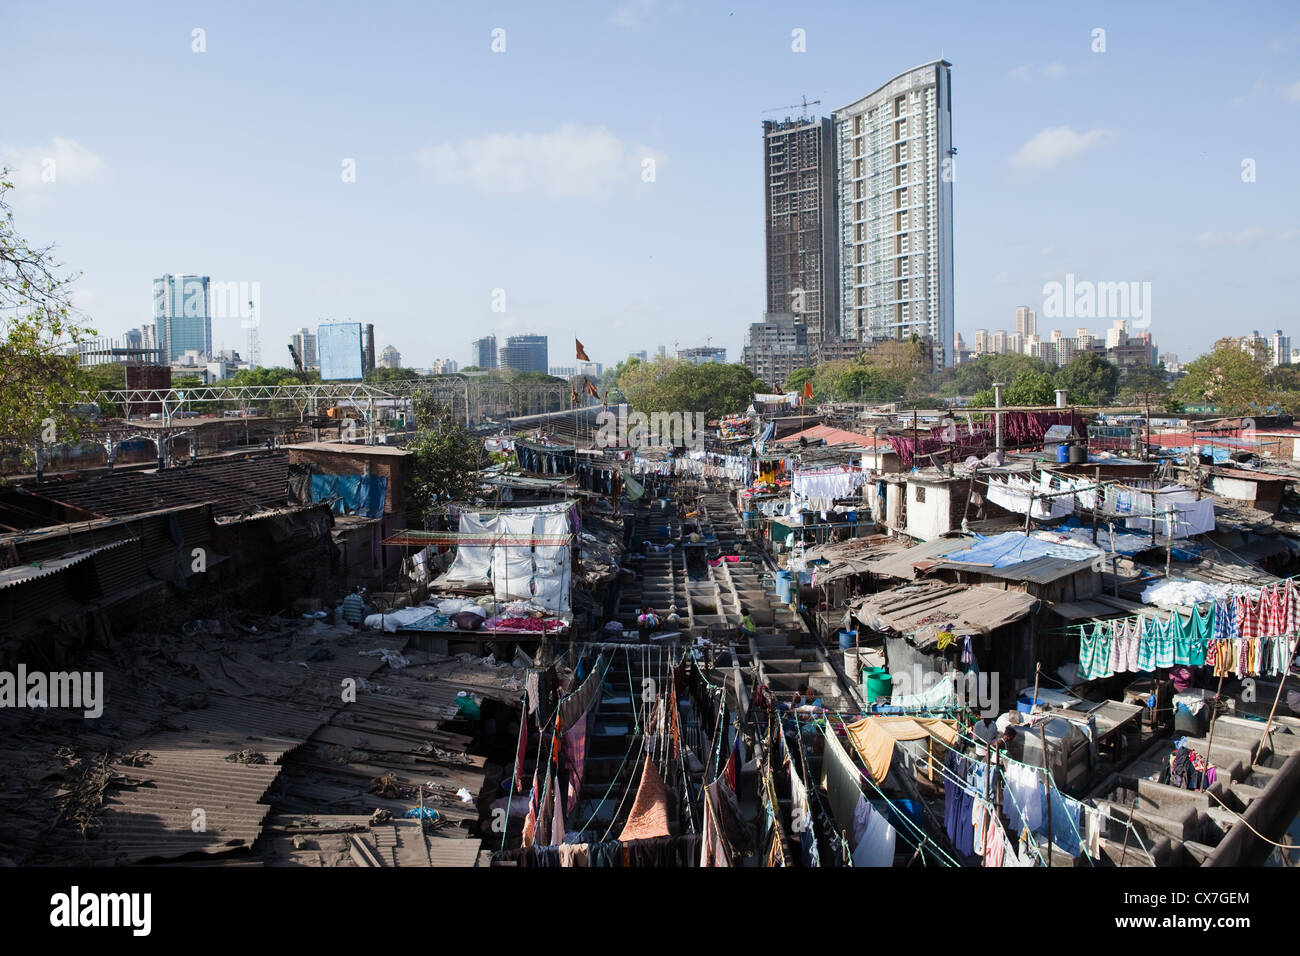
(1025, 703)
(879, 685)
(1062, 453)
(848, 639)
(851, 660)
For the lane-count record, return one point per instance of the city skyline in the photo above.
(1056, 176)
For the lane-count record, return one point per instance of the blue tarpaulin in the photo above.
(1012, 548)
(351, 494)
(1124, 542)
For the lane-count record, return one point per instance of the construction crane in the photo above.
(803, 107)
(297, 360)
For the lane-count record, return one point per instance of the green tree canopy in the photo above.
(446, 459)
(974, 376)
(1145, 385)
(1088, 380)
(40, 382)
(675, 385)
(1231, 380)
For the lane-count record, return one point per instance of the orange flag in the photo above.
(807, 389)
(591, 389)
(582, 353)
(574, 396)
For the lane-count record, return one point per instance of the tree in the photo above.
(1029, 388)
(447, 456)
(980, 374)
(1089, 380)
(1233, 381)
(40, 383)
(1145, 385)
(675, 385)
(796, 380)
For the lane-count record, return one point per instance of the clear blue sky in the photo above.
(1117, 166)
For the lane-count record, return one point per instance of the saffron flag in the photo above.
(807, 389)
(573, 395)
(582, 353)
(591, 389)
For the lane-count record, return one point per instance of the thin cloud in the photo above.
(570, 162)
(1055, 145)
(633, 14)
(1251, 237)
(1054, 70)
(1292, 91)
(63, 162)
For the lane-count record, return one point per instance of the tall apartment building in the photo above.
(998, 342)
(304, 342)
(777, 346)
(1026, 321)
(981, 341)
(524, 353)
(1281, 346)
(799, 184)
(484, 352)
(894, 174)
(444, 367)
(703, 354)
(182, 311)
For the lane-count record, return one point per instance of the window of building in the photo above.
(920, 494)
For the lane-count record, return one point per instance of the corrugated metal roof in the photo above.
(30, 572)
(922, 610)
(1042, 570)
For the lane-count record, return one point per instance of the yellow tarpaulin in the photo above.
(874, 738)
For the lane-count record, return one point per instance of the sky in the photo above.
(599, 173)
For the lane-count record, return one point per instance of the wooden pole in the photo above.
(1096, 493)
(1042, 736)
(1038, 669)
(1029, 511)
(1272, 713)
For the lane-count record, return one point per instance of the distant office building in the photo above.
(133, 339)
(390, 358)
(339, 345)
(1117, 334)
(1018, 344)
(1026, 321)
(662, 351)
(777, 346)
(563, 371)
(998, 342)
(1280, 348)
(444, 367)
(894, 159)
(642, 355)
(182, 310)
(149, 335)
(981, 341)
(799, 183)
(701, 355)
(304, 341)
(524, 353)
(484, 352)
(589, 369)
